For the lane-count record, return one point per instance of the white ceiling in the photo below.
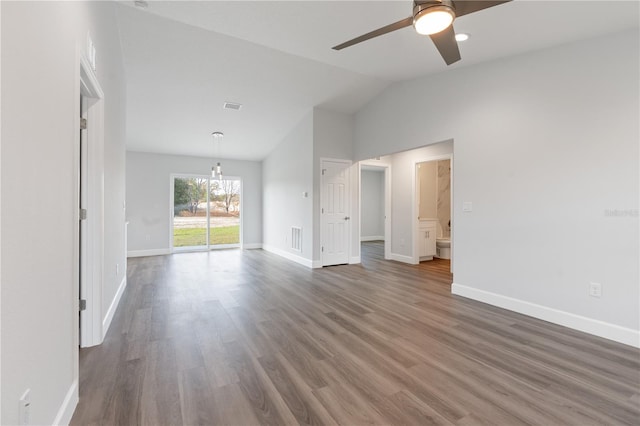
(183, 59)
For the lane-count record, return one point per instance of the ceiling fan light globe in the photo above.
(433, 19)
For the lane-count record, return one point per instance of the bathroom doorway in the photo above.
(432, 206)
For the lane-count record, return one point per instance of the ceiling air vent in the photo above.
(232, 105)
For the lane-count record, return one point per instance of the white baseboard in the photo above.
(144, 253)
(316, 264)
(354, 259)
(68, 406)
(252, 246)
(599, 328)
(287, 255)
(401, 258)
(106, 322)
(373, 238)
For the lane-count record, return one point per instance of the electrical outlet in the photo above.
(148, 237)
(24, 408)
(401, 242)
(595, 289)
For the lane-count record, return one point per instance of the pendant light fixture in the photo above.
(216, 171)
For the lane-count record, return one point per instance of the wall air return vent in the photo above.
(232, 105)
(296, 238)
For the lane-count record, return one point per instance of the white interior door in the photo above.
(335, 212)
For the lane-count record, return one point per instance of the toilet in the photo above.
(443, 248)
(443, 244)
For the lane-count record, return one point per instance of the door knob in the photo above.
(346, 218)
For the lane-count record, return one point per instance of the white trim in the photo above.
(289, 256)
(374, 238)
(91, 281)
(252, 246)
(354, 260)
(402, 258)
(112, 308)
(89, 84)
(145, 253)
(1, 203)
(65, 412)
(599, 328)
(387, 211)
(220, 247)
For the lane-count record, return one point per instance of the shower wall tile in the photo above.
(444, 195)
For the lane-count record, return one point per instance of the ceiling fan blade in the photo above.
(447, 45)
(380, 31)
(465, 7)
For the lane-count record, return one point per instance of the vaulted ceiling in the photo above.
(184, 59)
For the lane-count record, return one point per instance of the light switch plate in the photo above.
(467, 206)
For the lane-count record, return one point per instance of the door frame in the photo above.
(386, 167)
(208, 246)
(91, 327)
(348, 195)
(415, 258)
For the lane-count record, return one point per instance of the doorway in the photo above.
(433, 199)
(90, 237)
(375, 203)
(206, 213)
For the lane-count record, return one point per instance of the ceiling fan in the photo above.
(435, 19)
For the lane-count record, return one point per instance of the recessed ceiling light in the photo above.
(142, 4)
(232, 105)
(462, 37)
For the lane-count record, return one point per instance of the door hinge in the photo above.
(83, 124)
(83, 304)
(83, 214)
(323, 170)
(322, 209)
(322, 249)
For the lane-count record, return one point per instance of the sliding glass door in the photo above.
(206, 213)
(224, 217)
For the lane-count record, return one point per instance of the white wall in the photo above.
(402, 181)
(294, 167)
(372, 204)
(0, 211)
(546, 144)
(286, 173)
(148, 191)
(112, 81)
(40, 96)
(333, 138)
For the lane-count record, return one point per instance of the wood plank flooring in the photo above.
(246, 338)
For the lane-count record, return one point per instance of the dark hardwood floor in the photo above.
(244, 338)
